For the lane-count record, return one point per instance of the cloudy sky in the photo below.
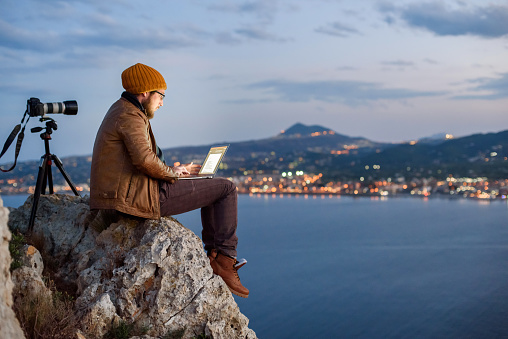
(239, 70)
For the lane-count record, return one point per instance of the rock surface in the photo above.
(151, 273)
(9, 325)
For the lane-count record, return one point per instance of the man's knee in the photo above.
(229, 186)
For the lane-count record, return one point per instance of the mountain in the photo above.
(478, 155)
(436, 138)
(298, 139)
(299, 129)
(317, 149)
(470, 149)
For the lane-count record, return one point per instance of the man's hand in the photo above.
(188, 169)
(180, 170)
(192, 168)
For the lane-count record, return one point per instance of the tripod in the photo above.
(45, 178)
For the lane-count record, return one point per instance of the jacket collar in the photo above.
(133, 100)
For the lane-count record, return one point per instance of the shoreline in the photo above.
(364, 195)
(325, 194)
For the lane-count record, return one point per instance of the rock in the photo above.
(31, 257)
(151, 273)
(28, 283)
(9, 325)
(28, 278)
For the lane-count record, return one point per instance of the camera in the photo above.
(36, 108)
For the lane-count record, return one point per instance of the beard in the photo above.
(150, 108)
(150, 112)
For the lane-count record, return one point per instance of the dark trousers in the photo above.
(217, 199)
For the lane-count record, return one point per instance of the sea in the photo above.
(345, 267)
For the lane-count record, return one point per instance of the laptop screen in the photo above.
(213, 160)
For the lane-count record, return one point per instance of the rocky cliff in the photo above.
(9, 325)
(150, 273)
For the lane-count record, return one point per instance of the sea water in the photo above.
(342, 267)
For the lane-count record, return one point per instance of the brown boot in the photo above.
(224, 266)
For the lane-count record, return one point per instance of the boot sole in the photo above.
(238, 294)
(232, 291)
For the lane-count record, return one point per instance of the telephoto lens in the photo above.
(36, 108)
(69, 107)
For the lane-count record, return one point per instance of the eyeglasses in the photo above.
(162, 95)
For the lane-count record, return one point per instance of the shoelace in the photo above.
(235, 270)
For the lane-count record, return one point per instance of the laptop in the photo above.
(210, 165)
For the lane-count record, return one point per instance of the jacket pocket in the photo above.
(131, 189)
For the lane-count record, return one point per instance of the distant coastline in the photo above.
(15, 200)
(366, 195)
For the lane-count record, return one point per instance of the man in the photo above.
(129, 174)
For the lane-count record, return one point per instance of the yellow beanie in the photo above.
(142, 78)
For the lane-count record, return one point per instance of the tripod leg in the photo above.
(38, 188)
(44, 184)
(49, 176)
(59, 164)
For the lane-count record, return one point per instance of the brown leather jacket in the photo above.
(125, 168)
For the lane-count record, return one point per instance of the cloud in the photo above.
(86, 42)
(352, 93)
(144, 39)
(227, 38)
(497, 87)
(430, 61)
(104, 32)
(240, 35)
(248, 101)
(337, 29)
(254, 33)
(346, 68)
(490, 21)
(262, 9)
(19, 38)
(56, 28)
(102, 19)
(399, 63)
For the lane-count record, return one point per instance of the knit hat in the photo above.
(142, 78)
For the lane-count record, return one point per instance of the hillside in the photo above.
(298, 139)
(479, 155)
(318, 149)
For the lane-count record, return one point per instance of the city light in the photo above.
(299, 182)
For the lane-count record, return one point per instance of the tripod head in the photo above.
(35, 108)
(50, 126)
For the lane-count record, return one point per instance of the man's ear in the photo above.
(142, 97)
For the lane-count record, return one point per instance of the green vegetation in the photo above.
(49, 314)
(15, 245)
(124, 330)
(177, 334)
(202, 336)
